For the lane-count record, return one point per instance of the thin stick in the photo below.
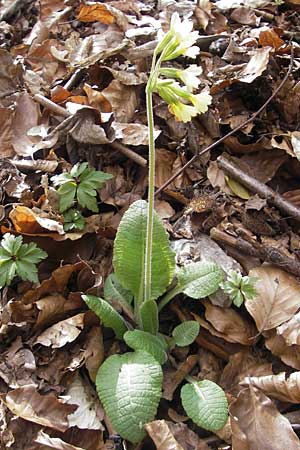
(138, 159)
(272, 197)
(49, 104)
(239, 127)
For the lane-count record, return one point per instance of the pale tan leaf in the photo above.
(261, 426)
(133, 133)
(62, 332)
(230, 324)
(290, 330)
(290, 355)
(45, 410)
(278, 386)
(161, 435)
(123, 99)
(26, 116)
(278, 297)
(94, 352)
(54, 307)
(55, 443)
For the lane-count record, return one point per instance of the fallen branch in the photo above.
(239, 127)
(272, 197)
(267, 253)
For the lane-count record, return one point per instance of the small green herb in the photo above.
(239, 288)
(80, 185)
(73, 220)
(19, 259)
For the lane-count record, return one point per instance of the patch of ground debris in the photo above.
(72, 89)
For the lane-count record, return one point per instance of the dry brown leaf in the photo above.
(290, 355)
(241, 365)
(187, 438)
(34, 222)
(26, 116)
(62, 332)
(124, 100)
(278, 297)
(269, 38)
(54, 307)
(260, 424)
(45, 410)
(50, 442)
(94, 352)
(133, 133)
(161, 435)
(171, 382)
(96, 99)
(97, 12)
(290, 330)
(281, 387)
(229, 324)
(7, 149)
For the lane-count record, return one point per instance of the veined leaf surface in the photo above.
(199, 279)
(129, 252)
(141, 340)
(129, 387)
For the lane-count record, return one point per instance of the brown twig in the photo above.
(49, 104)
(239, 127)
(272, 197)
(267, 253)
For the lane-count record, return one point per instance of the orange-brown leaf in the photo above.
(95, 13)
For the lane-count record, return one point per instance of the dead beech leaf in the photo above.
(256, 66)
(278, 297)
(290, 330)
(96, 99)
(260, 424)
(133, 133)
(62, 332)
(45, 410)
(281, 387)
(241, 365)
(97, 12)
(269, 38)
(7, 149)
(187, 438)
(34, 222)
(54, 307)
(94, 351)
(229, 324)
(173, 380)
(290, 355)
(161, 435)
(123, 99)
(50, 442)
(26, 116)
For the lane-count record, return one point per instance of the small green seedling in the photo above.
(130, 385)
(73, 220)
(239, 288)
(80, 185)
(19, 259)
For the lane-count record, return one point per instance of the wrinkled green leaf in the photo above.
(107, 314)
(149, 316)
(129, 387)
(141, 340)
(206, 404)
(113, 290)
(129, 252)
(200, 279)
(185, 333)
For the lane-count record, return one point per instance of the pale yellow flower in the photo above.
(201, 101)
(183, 39)
(190, 75)
(182, 112)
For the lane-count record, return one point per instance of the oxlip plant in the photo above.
(145, 276)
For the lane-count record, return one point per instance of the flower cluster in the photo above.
(179, 41)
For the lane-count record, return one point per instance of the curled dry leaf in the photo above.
(98, 12)
(62, 332)
(55, 443)
(161, 435)
(94, 352)
(290, 330)
(171, 382)
(26, 116)
(34, 222)
(123, 99)
(257, 424)
(133, 133)
(55, 307)
(281, 387)
(187, 438)
(278, 297)
(45, 410)
(290, 355)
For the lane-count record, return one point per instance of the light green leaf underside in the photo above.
(108, 315)
(149, 316)
(129, 252)
(200, 279)
(185, 333)
(206, 404)
(113, 290)
(129, 387)
(141, 340)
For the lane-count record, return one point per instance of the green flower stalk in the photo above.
(182, 103)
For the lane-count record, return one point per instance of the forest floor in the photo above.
(72, 89)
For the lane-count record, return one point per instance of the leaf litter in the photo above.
(72, 85)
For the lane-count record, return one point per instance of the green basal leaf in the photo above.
(87, 197)
(141, 340)
(129, 253)
(113, 290)
(200, 279)
(148, 313)
(206, 404)
(107, 314)
(185, 333)
(129, 387)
